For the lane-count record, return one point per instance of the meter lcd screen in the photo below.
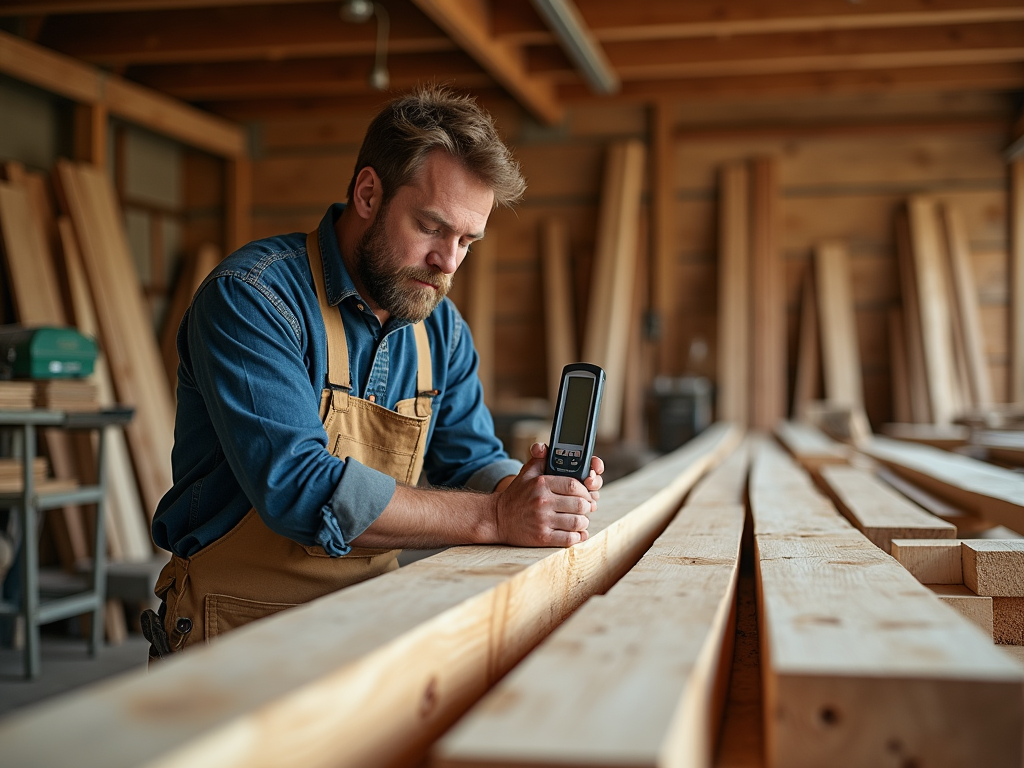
(578, 391)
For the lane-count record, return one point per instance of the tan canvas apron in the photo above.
(252, 572)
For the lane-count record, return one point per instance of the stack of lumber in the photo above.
(372, 674)
(946, 436)
(17, 395)
(1002, 446)
(945, 372)
(12, 472)
(67, 395)
(811, 447)
(862, 665)
(988, 491)
(981, 578)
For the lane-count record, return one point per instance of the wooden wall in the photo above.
(837, 180)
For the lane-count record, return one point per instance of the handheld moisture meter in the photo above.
(575, 426)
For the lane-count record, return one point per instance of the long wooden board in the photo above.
(483, 292)
(193, 272)
(369, 675)
(807, 383)
(933, 305)
(988, 491)
(606, 337)
(124, 506)
(878, 511)
(655, 644)
(930, 561)
(125, 325)
(37, 302)
(920, 401)
(734, 294)
(862, 665)
(898, 367)
(840, 354)
(811, 447)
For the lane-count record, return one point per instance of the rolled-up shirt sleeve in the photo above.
(249, 361)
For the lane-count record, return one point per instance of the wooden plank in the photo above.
(768, 302)
(125, 325)
(238, 203)
(840, 354)
(862, 665)
(967, 524)
(82, 83)
(879, 512)
(37, 302)
(606, 336)
(969, 605)
(930, 561)
(811, 447)
(933, 304)
(990, 492)
(664, 245)
(899, 376)
(658, 636)
(559, 303)
(1008, 620)
(807, 385)
(994, 567)
(945, 436)
(1016, 217)
(426, 640)
(917, 376)
(193, 272)
(91, 132)
(467, 23)
(123, 503)
(966, 293)
(733, 294)
(483, 292)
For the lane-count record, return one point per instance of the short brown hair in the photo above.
(434, 117)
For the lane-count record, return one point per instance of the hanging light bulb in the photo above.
(359, 11)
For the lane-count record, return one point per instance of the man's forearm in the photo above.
(424, 518)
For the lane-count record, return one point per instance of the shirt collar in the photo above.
(336, 277)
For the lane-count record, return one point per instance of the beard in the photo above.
(391, 286)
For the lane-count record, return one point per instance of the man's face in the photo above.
(409, 253)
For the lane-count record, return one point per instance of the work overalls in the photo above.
(252, 572)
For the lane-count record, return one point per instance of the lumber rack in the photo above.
(30, 502)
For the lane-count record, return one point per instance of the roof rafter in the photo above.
(467, 22)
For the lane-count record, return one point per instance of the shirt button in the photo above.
(361, 307)
(372, 398)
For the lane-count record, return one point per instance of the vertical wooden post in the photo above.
(807, 386)
(920, 400)
(237, 203)
(768, 377)
(840, 353)
(1017, 280)
(733, 295)
(559, 310)
(90, 133)
(663, 274)
(483, 294)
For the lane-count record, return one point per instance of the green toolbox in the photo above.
(45, 353)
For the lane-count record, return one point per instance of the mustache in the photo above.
(439, 280)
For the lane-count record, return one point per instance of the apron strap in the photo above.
(337, 343)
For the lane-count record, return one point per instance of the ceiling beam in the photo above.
(86, 85)
(306, 77)
(983, 77)
(26, 7)
(613, 20)
(938, 46)
(278, 32)
(467, 22)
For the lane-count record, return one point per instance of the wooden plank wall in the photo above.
(835, 183)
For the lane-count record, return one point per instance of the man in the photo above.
(321, 373)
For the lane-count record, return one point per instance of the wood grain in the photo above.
(930, 561)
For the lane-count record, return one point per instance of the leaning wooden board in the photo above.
(36, 294)
(369, 675)
(638, 671)
(990, 492)
(863, 665)
(125, 324)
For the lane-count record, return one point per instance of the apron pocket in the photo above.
(224, 613)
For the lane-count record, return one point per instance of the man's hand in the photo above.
(538, 510)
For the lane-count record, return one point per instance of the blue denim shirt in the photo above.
(253, 352)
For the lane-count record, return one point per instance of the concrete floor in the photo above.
(66, 665)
